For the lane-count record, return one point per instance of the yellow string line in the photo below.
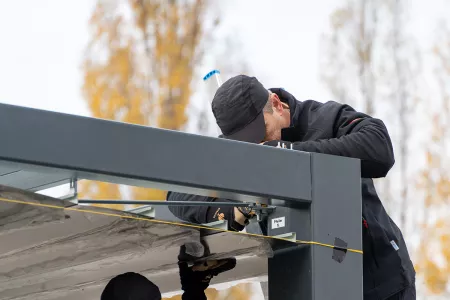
(170, 223)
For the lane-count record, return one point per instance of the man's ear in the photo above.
(276, 104)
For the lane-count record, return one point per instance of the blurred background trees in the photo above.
(373, 62)
(141, 67)
(433, 258)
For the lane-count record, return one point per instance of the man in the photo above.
(131, 286)
(246, 111)
(194, 281)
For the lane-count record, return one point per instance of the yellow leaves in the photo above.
(212, 294)
(148, 194)
(177, 297)
(428, 264)
(443, 189)
(100, 190)
(144, 10)
(445, 246)
(429, 158)
(433, 261)
(139, 69)
(435, 277)
(440, 224)
(240, 292)
(341, 17)
(437, 191)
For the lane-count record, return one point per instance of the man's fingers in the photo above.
(215, 266)
(205, 265)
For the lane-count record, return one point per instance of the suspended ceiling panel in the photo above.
(51, 253)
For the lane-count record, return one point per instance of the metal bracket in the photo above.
(146, 210)
(73, 195)
(262, 211)
(291, 236)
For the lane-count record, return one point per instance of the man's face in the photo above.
(276, 117)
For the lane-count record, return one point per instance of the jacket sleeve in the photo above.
(357, 135)
(193, 214)
(175, 196)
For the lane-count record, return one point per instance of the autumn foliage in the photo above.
(139, 68)
(372, 61)
(433, 259)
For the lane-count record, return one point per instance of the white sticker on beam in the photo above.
(278, 222)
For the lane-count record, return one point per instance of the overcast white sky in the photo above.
(43, 41)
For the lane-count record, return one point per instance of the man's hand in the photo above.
(196, 279)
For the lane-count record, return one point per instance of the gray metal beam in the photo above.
(333, 218)
(5, 170)
(123, 153)
(32, 178)
(33, 181)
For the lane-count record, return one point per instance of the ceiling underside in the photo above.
(49, 253)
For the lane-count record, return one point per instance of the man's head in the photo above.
(246, 111)
(132, 286)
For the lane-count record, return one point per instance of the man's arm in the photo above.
(236, 217)
(176, 196)
(193, 214)
(359, 136)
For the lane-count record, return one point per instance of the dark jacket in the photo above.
(337, 129)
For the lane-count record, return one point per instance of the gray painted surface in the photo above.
(163, 213)
(8, 170)
(309, 271)
(32, 177)
(296, 219)
(336, 212)
(33, 181)
(94, 147)
(291, 273)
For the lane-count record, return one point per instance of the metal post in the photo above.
(314, 271)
